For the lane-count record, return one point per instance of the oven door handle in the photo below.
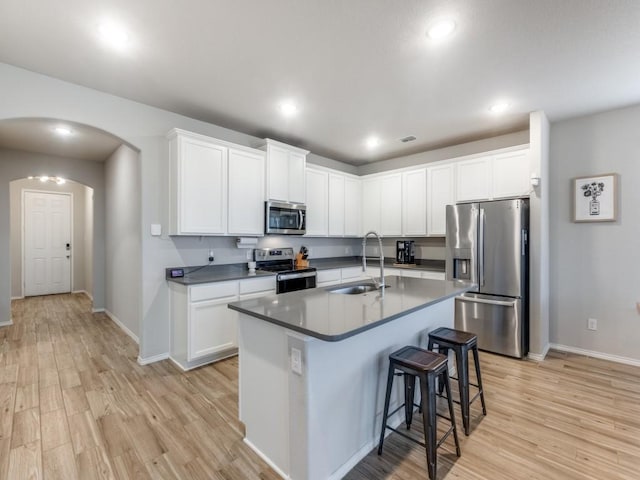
(293, 276)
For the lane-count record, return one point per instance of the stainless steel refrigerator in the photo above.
(487, 243)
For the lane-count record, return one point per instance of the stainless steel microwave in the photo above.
(285, 218)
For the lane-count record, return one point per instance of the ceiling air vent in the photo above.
(410, 138)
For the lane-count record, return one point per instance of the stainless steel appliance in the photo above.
(405, 251)
(487, 243)
(285, 218)
(281, 261)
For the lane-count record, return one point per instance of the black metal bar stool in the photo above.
(427, 366)
(461, 343)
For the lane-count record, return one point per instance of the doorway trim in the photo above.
(22, 233)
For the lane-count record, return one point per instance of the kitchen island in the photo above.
(313, 368)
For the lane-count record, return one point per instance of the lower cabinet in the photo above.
(203, 329)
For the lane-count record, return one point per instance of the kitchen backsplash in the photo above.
(195, 250)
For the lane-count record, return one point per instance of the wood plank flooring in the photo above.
(74, 404)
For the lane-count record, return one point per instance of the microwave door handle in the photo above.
(301, 219)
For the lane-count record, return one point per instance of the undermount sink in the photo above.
(355, 289)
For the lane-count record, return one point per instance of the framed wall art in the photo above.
(595, 198)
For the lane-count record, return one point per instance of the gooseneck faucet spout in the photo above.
(380, 285)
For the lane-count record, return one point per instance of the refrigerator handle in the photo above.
(481, 249)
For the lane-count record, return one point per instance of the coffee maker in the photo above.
(405, 252)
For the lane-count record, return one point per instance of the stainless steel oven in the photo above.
(293, 281)
(288, 277)
(285, 218)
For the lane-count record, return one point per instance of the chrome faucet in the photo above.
(380, 285)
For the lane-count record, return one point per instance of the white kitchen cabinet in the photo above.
(353, 207)
(203, 329)
(286, 169)
(474, 179)
(246, 192)
(336, 208)
(257, 287)
(371, 200)
(351, 274)
(329, 277)
(414, 203)
(494, 176)
(433, 275)
(440, 193)
(391, 205)
(198, 185)
(511, 176)
(317, 203)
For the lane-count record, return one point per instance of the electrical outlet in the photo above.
(296, 361)
(592, 324)
(211, 255)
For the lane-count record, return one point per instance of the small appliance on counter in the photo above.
(302, 257)
(280, 261)
(405, 252)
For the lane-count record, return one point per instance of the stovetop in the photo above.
(278, 260)
(289, 268)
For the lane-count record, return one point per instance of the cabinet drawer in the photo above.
(209, 291)
(328, 275)
(352, 273)
(433, 275)
(254, 285)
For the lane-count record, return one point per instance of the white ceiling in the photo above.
(355, 67)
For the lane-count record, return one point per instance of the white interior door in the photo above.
(47, 243)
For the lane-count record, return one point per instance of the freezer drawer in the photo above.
(499, 322)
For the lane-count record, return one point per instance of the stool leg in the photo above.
(444, 351)
(386, 407)
(479, 378)
(452, 416)
(427, 389)
(409, 388)
(462, 365)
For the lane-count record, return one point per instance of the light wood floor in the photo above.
(75, 404)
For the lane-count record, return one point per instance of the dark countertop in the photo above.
(239, 271)
(333, 316)
(218, 273)
(344, 262)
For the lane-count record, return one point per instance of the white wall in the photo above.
(78, 242)
(594, 266)
(16, 165)
(123, 238)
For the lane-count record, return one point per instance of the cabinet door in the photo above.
(336, 205)
(202, 188)
(212, 328)
(297, 171)
(511, 177)
(246, 192)
(391, 205)
(277, 173)
(414, 202)
(474, 179)
(371, 205)
(317, 203)
(440, 193)
(353, 207)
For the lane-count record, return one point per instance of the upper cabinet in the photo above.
(317, 203)
(215, 187)
(336, 205)
(198, 185)
(382, 204)
(414, 203)
(494, 176)
(440, 193)
(352, 206)
(286, 166)
(246, 192)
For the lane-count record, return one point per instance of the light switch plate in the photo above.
(156, 229)
(296, 361)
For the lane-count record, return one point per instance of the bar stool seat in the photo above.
(461, 343)
(427, 366)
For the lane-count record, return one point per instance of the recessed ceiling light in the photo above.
(60, 181)
(63, 131)
(44, 178)
(441, 29)
(288, 109)
(499, 107)
(372, 142)
(113, 35)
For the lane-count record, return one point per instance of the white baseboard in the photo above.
(97, 310)
(266, 459)
(538, 357)
(124, 328)
(7, 323)
(85, 292)
(17, 298)
(153, 359)
(590, 353)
